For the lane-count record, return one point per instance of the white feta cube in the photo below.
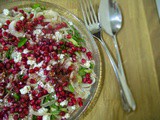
(46, 117)
(49, 88)
(25, 89)
(48, 67)
(73, 107)
(6, 12)
(58, 35)
(61, 56)
(37, 32)
(42, 110)
(65, 102)
(66, 116)
(31, 62)
(16, 56)
(22, 18)
(87, 64)
(25, 51)
(40, 83)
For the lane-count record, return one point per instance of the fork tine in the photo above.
(94, 14)
(90, 11)
(85, 11)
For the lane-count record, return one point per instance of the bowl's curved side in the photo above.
(91, 44)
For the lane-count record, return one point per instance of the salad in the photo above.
(46, 69)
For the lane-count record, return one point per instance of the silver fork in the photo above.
(92, 23)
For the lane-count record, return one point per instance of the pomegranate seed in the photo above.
(83, 61)
(21, 11)
(31, 15)
(84, 80)
(80, 103)
(5, 34)
(63, 24)
(70, 68)
(65, 84)
(36, 68)
(39, 117)
(8, 22)
(69, 36)
(87, 75)
(89, 55)
(83, 49)
(33, 81)
(31, 71)
(8, 66)
(16, 117)
(60, 88)
(25, 77)
(38, 102)
(15, 9)
(64, 51)
(89, 81)
(62, 113)
(50, 27)
(73, 100)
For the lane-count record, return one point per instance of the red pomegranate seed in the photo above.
(31, 71)
(5, 34)
(89, 81)
(69, 36)
(64, 51)
(34, 92)
(21, 11)
(8, 22)
(25, 77)
(84, 80)
(83, 49)
(83, 60)
(36, 68)
(62, 113)
(15, 9)
(70, 68)
(16, 117)
(8, 66)
(88, 75)
(39, 117)
(31, 15)
(65, 84)
(33, 81)
(89, 55)
(80, 103)
(60, 88)
(38, 102)
(73, 100)
(63, 24)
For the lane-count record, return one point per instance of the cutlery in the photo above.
(92, 23)
(110, 17)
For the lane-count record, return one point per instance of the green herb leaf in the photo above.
(20, 77)
(53, 117)
(63, 109)
(22, 42)
(79, 79)
(71, 89)
(82, 71)
(9, 52)
(92, 65)
(16, 96)
(74, 42)
(36, 6)
(54, 106)
(56, 112)
(34, 117)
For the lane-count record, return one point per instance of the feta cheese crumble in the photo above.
(58, 35)
(87, 64)
(42, 110)
(25, 51)
(22, 18)
(49, 88)
(65, 102)
(6, 12)
(25, 89)
(46, 117)
(16, 56)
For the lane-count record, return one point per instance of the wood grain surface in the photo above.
(139, 41)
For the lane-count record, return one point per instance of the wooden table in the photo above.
(139, 40)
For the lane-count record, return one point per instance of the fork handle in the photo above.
(127, 98)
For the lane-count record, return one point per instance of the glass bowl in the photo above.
(91, 44)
